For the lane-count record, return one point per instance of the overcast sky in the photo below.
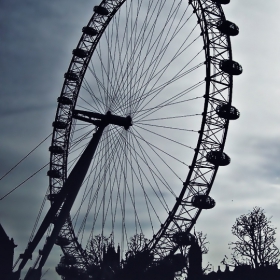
(37, 39)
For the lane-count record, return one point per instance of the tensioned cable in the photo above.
(96, 193)
(160, 88)
(94, 167)
(87, 87)
(91, 189)
(24, 181)
(156, 58)
(77, 142)
(99, 83)
(38, 217)
(44, 273)
(118, 64)
(148, 111)
(169, 127)
(101, 180)
(159, 37)
(167, 138)
(105, 102)
(123, 170)
(85, 195)
(146, 197)
(109, 55)
(136, 219)
(161, 74)
(168, 118)
(144, 160)
(24, 157)
(132, 194)
(167, 83)
(160, 176)
(140, 137)
(168, 154)
(140, 171)
(140, 181)
(150, 34)
(122, 74)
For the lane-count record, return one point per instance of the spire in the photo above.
(4, 238)
(6, 253)
(227, 269)
(195, 261)
(119, 253)
(3, 235)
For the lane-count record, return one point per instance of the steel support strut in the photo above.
(64, 200)
(66, 197)
(74, 181)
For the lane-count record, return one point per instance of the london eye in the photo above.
(139, 132)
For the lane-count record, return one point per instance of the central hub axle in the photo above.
(102, 120)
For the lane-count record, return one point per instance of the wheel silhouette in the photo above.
(154, 79)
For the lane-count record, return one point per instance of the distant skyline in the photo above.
(37, 42)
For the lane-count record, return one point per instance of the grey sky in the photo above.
(36, 44)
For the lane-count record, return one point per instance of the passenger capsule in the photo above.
(54, 174)
(231, 67)
(227, 112)
(64, 100)
(80, 53)
(218, 158)
(182, 238)
(71, 76)
(89, 31)
(101, 10)
(203, 202)
(56, 150)
(62, 241)
(59, 124)
(223, 2)
(228, 28)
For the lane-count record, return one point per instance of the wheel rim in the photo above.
(171, 212)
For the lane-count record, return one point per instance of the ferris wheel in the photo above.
(140, 129)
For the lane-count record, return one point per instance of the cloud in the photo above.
(38, 39)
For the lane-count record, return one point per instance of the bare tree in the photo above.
(137, 244)
(256, 241)
(202, 241)
(137, 260)
(96, 247)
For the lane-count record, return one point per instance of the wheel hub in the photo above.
(103, 119)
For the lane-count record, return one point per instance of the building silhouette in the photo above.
(7, 246)
(245, 272)
(195, 262)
